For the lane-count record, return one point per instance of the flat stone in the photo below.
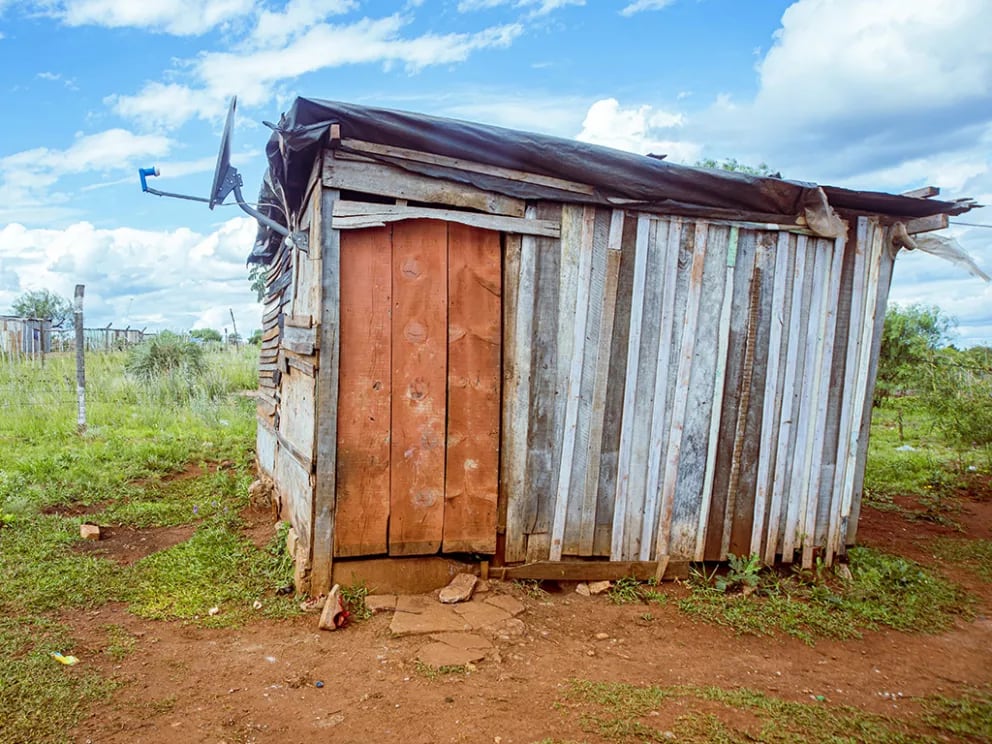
(89, 532)
(436, 619)
(507, 603)
(582, 588)
(459, 590)
(443, 655)
(598, 587)
(462, 640)
(512, 627)
(602, 636)
(481, 614)
(415, 604)
(481, 586)
(380, 603)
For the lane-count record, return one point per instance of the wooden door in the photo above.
(419, 390)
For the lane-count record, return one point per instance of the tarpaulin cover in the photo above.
(303, 131)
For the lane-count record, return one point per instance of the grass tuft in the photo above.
(885, 590)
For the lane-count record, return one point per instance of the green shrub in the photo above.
(167, 354)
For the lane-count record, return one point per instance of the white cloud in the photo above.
(27, 177)
(642, 130)
(177, 279)
(274, 28)
(179, 17)
(255, 73)
(640, 6)
(536, 8)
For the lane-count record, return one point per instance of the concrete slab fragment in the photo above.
(459, 590)
(437, 619)
(442, 655)
(463, 640)
(380, 603)
(507, 603)
(415, 603)
(481, 614)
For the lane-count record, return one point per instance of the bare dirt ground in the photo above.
(258, 683)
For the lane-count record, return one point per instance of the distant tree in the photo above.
(42, 304)
(911, 338)
(256, 275)
(255, 339)
(206, 334)
(732, 165)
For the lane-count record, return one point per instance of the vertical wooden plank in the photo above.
(472, 468)
(770, 418)
(798, 490)
(824, 367)
(613, 407)
(325, 489)
(420, 336)
(547, 407)
(669, 249)
(576, 267)
(752, 395)
(364, 393)
(719, 381)
(879, 284)
(681, 390)
(787, 410)
(601, 381)
(518, 329)
(619, 537)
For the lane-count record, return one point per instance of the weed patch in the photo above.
(975, 555)
(884, 590)
(622, 713)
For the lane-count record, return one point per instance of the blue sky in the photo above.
(890, 95)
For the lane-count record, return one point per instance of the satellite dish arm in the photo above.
(248, 209)
(145, 173)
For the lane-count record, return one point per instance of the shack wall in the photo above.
(673, 387)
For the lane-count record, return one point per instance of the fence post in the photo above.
(80, 361)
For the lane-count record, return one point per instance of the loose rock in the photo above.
(459, 590)
(583, 589)
(89, 531)
(598, 587)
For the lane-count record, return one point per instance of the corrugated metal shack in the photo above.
(25, 336)
(536, 351)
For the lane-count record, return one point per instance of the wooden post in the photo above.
(234, 324)
(80, 361)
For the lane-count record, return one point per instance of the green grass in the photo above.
(41, 699)
(618, 712)
(975, 555)
(628, 590)
(154, 455)
(885, 591)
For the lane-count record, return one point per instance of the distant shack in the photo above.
(25, 336)
(563, 359)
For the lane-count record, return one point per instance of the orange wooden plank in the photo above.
(362, 509)
(420, 336)
(474, 334)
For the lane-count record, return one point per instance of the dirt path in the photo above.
(258, 683)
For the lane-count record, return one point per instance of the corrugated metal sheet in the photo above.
(686, 388)
(25, 335)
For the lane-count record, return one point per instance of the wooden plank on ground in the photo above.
(364, 384)
(472, 467)
(388, 180)
(590, 571)
(419, 351)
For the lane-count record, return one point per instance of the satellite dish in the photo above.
(226, 180)
(224, 175)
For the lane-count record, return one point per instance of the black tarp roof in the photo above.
(303, 131)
